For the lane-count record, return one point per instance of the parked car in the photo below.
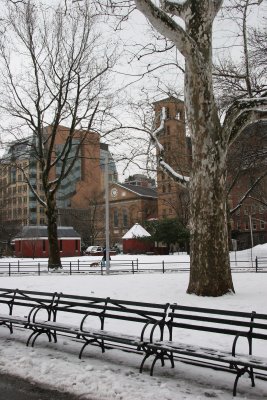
(94, 251)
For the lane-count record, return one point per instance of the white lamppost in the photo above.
(107, 213)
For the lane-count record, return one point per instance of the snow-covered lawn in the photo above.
(114, 375)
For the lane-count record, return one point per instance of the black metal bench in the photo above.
(140, 326)
(17, 306)
(235, 325)
(92, 316)
(50, 313)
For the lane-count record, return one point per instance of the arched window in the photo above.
(115, 218)
(125, 218)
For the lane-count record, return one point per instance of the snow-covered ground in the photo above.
(114, 375)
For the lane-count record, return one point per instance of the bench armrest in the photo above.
(159, 324)
(249, 339)
(36, 309)
(101, 316)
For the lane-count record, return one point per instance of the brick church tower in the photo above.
(172, 199)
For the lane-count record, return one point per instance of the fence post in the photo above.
(39, 272)
(70, 268)
(78, 265)
(133, 267)
(163, 267)
(9, 269)
(137, 265)
(256, 263)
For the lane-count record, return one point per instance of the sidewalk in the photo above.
(14, 388)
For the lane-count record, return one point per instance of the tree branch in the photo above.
(167, 26)
(246, 195)
(241, 114)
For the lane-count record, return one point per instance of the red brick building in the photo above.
(32, 242)
(247, 160)
(172, 199)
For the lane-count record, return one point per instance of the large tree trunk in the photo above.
(54, 261)
(210, 273)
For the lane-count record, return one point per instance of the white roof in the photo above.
(136, 231)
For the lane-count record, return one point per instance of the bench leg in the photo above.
(161, 355)
(148, 354)
(97, 341)
(239, 373)
(158, 355)
(38, 332)
(8, 325)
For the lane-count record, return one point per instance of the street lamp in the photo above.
(107, 212)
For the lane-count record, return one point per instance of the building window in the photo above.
(76, 245)
(125, 218)
(60, 245)
(115, 218)
(247, 225)
(13, 172)
(167, 112)
(43, 245)
(262, 224)
(254, 225)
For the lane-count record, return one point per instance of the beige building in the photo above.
(129, 204)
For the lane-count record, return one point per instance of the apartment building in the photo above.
(19, 206)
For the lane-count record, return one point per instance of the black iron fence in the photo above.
(85, 266)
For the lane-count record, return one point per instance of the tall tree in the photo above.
(210, 273)
(54, 71)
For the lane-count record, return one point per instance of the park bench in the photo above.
(50, 313)
(229, 324)
(140, 327)
(93, 323)
(17, 306)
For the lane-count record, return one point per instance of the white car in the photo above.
(94, 251)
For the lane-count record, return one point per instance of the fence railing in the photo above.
(83, 266)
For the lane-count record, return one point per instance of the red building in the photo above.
(134, 243)
(32, 242)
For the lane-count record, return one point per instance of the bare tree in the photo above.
(210, 270)
(87, 221)
(62, 79)
(245, 77)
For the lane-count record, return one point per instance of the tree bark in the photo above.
(54, 261)
(210, 273)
